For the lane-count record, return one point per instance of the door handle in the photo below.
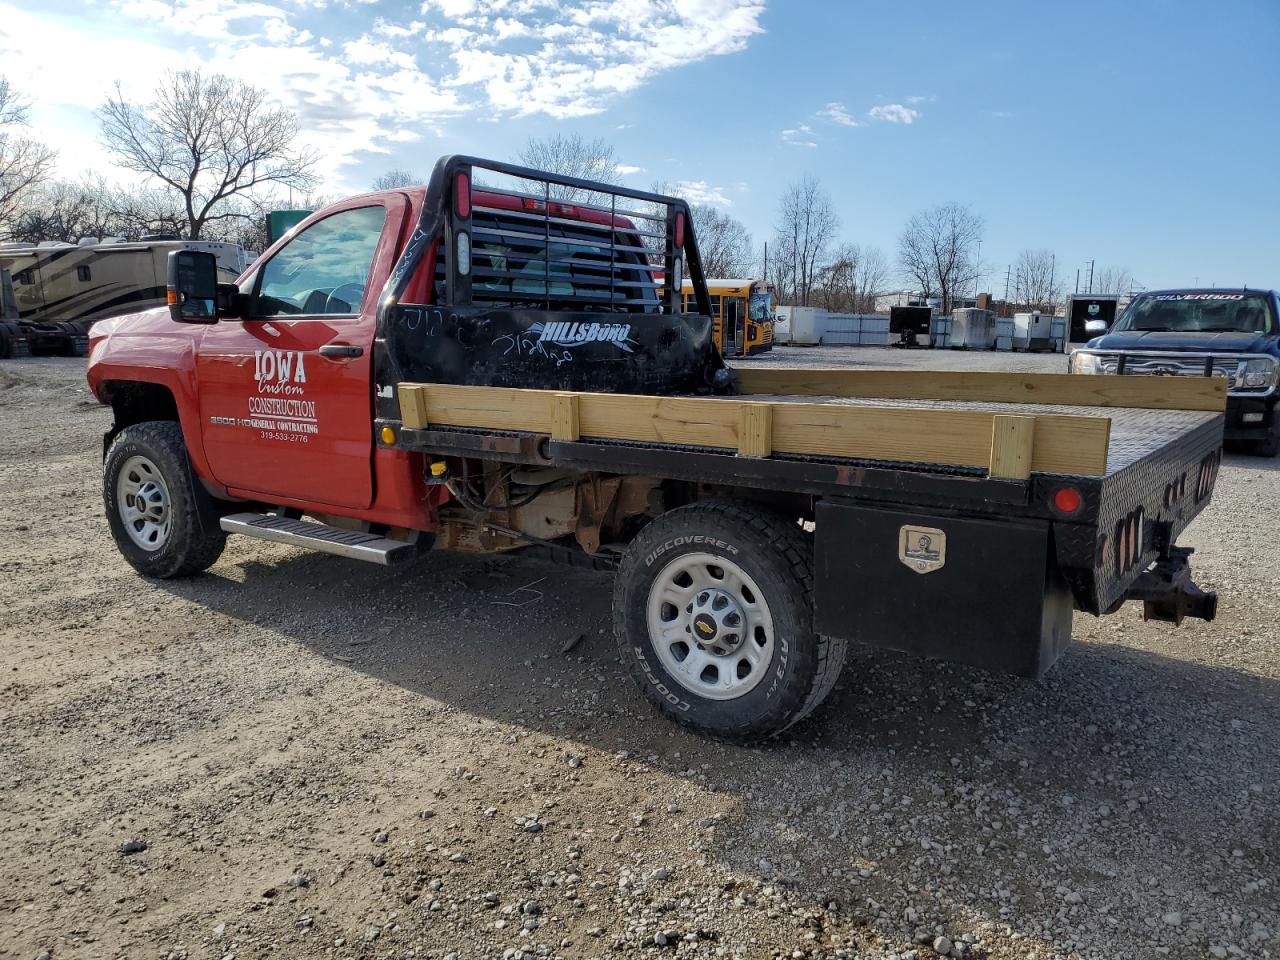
(341, 350)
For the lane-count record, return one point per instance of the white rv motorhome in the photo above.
(60, 289)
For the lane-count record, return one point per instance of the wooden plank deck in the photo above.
(1149, 393)
(968, 437)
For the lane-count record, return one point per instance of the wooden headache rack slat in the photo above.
(1152, 393)
(1007, 446)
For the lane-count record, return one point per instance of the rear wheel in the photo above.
(713, 617)
(163, 521)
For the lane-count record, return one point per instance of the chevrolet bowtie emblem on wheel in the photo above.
(923, 549)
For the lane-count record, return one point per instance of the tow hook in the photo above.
(1167, 592)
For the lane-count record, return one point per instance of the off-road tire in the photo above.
(777, 554)
(195, 539)
(1270, 446)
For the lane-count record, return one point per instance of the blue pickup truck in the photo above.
(1233, 334)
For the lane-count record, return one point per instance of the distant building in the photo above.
(902, 298)
(914, 298)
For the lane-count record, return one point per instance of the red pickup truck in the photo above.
(496, 365)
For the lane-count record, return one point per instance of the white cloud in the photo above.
(800, 135)
(919, 99)
(701, 192)
(573, 56)
(839, 113)
(894, 113)
(397, 31)
(360, 76)
(626, 169)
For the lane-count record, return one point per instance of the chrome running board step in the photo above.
(354, 544)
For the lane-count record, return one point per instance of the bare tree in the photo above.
(723, 242)
(68, 211)
(937, 248)
(873, 274)
(571, 156)
(24, 163)
(1114, 280)
(838, 280)
(395, 178)
(1036, 281)
(853, 278)
(208, 139)
(807, 223)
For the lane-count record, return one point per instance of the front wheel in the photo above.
(1270, 446)
(713, 617)
(164, 523)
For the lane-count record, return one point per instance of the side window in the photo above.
(83, 272)
(324, 269)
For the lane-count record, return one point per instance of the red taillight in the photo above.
(462, 194)
(680, 229)
(1067, 500)
(564, 210)
(531, 204)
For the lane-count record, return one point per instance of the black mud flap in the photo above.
(977, 591)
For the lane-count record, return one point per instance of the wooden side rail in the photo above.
(1007, 446)
(1153, 393)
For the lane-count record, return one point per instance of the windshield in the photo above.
(760, 307)
(1199, 313)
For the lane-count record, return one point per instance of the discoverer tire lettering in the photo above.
(776, 554)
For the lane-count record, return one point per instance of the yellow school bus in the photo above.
(743, 313)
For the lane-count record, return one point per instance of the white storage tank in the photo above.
(1059, 335)
(940, 332)
(805, 325)
(973, 328)
(782, 325)
(1033, 331)
(1004, 333)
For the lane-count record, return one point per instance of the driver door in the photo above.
(286, 397)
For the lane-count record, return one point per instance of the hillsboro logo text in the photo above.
(575, 334)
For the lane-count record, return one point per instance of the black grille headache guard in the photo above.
(548, 282)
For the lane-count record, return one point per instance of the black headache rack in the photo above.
(549, 282)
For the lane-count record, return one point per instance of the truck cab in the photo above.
(1230, 334)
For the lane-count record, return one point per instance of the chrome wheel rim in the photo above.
(142, 500)
(710, 626)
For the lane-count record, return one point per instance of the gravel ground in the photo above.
(300, 756)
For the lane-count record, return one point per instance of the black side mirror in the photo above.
(193, 286)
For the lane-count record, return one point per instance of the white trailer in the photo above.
(973, 328)
(1033, 331)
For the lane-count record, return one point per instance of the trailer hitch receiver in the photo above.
(1168, 593)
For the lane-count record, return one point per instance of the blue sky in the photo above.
(1141, 134)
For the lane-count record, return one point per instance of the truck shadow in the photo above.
(911, 765)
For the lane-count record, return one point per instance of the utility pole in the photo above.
(1090, 276)
(977, 272)
(1077, 279)
(1053, 280)
(1006, 283)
